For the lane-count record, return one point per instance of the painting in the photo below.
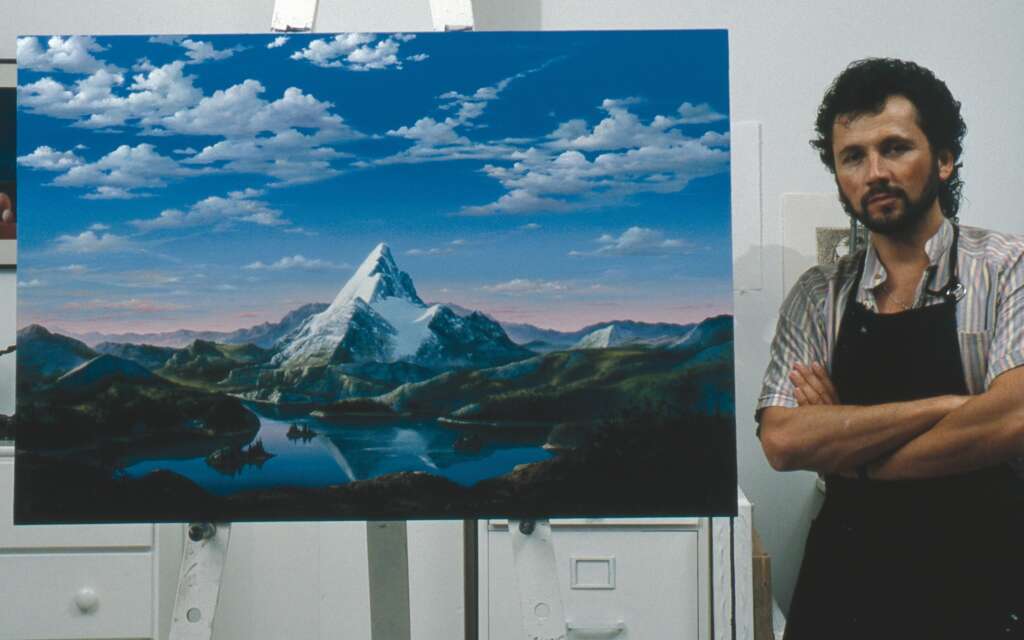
(834, 242)
(374, 276)
(8, 194)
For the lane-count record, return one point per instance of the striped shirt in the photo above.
(990, 317)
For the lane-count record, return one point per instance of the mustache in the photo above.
(882, 190)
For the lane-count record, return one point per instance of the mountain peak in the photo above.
(380, 252)
(378, 277)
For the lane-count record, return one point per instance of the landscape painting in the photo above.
(374, 276)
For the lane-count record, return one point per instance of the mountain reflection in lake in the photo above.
(338, 454)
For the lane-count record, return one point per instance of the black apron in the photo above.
(936, 558)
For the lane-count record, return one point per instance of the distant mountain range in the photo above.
(376, 335)
(625, 330)
(262, 335)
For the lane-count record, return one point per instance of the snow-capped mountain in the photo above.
(378, 317)
(102, 370)
(710, 332)
(43, 355)
(611, 336)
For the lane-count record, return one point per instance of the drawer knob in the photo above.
(86, 600)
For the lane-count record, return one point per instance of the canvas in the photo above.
(365, 276)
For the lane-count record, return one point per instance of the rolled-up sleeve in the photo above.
(800, 337)
(1007, 349)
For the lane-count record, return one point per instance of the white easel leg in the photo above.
(387, 551)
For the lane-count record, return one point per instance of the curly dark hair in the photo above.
(865, 85)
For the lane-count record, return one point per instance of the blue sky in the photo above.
(214, 182)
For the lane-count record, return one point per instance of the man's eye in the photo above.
(851, 158)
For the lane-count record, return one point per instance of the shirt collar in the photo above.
(937, 248)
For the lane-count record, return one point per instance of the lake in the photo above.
(338, 454)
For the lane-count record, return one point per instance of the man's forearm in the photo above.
(840, 438)
(986, 431)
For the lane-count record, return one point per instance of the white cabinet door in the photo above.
(622, 579)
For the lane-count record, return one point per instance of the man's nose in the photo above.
(878, 168)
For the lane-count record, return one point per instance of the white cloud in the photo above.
(144, 279)
(289, 157)
(636, 241)
(227, 112)
(99, 226)
(419, 57)
(439, 140)
(355, 52)
(74, 269)
(166, 39)
(294, 262)
(699, 114)
(380, 56)
(71, 55)
(134, 305)
(49, 159)
(187, 151)
(325, 53)
(582, 167)
(29, 284)
(197, 51)
(240, 115)
(92, 242)
(447, 249)
(143, 65)
(520, 201)
(430, 132)
(530, 226)
(279, 41)
(96, 102)
(124, 170)
(218, 212)
(526, 286)
(715, 139)
(114, 193)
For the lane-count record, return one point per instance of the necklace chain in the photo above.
(891, 295)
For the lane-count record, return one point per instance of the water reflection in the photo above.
(307, 452)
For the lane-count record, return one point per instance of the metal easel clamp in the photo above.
(199, 580)
(291, 16)
(536, 573)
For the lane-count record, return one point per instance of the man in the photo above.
(897, 374)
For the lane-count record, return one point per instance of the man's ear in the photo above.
(946, 164)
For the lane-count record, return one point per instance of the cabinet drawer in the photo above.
(40, 596)
(619, 579)
(57, 537)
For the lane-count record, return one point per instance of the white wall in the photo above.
(783, 54)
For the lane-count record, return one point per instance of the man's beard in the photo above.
(914, 211)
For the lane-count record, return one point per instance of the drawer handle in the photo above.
(87, 600)
(596, 631)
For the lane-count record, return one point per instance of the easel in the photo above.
(205, 552)
(536, 571)
(202, 567)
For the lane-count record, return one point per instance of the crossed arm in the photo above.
(938, 436)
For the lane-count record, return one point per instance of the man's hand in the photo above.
(813, 386)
